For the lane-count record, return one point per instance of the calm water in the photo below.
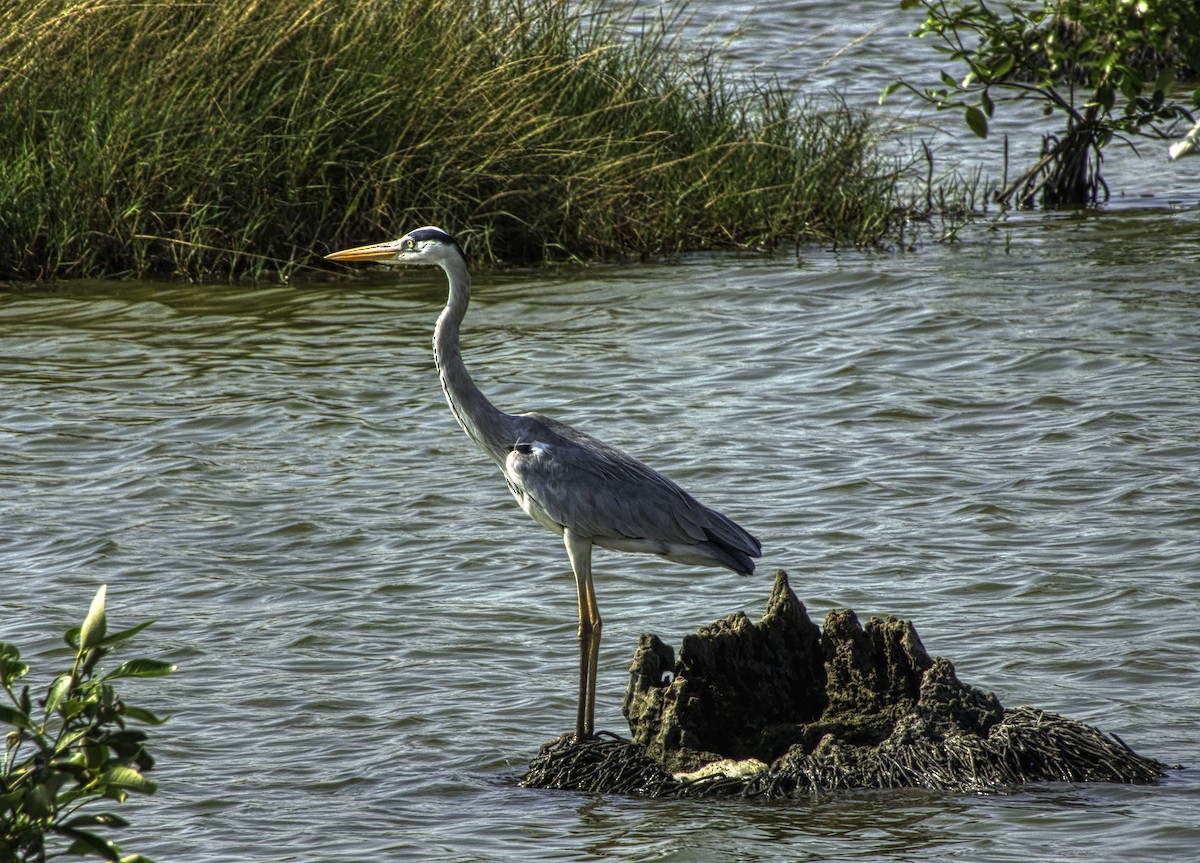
(1000, 440)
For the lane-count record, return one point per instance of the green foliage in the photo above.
(1106, 68)
(201, 137)
(73, 748)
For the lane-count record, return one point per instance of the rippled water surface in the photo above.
(1000, 440)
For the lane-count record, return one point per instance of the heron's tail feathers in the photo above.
(733, 547)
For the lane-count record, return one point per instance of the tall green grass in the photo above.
(209, 137)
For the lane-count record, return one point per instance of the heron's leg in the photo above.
(579, 550)
(593, 663)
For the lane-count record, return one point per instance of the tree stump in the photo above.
(780, 707)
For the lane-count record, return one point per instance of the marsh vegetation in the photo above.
(206, 139)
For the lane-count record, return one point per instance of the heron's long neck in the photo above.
(483, 422)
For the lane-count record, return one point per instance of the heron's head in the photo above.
(424, 247)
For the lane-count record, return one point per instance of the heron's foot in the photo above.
(568, 740)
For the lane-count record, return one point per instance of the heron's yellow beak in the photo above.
(375, 252)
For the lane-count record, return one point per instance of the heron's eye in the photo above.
(410, 244)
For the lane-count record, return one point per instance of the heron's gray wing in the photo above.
(602, 492)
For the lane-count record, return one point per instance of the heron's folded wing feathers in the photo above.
(599, 491)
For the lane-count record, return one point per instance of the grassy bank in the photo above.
(201, 137)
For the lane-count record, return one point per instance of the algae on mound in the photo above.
(846, 707)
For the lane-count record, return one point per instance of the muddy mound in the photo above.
(782, 706)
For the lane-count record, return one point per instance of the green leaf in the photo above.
(127, 777)
(58, 691)
(71, 738)
(41, 799)
(72, 707)
(889, 90)
(91, 633)
(12, 716)
(1130, 86)
(124, 634)
(11, 666)
(141, 668)
(100, 819)
(128, 745)
(88, 843)
(977, 121)
(143, 715)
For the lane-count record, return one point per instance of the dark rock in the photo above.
(800, 709)
(736, 691)
(874, 674)
(944, 696)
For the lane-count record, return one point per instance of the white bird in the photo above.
(1189, 145)
(567, 481)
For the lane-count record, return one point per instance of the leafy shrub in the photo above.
(73, 748)
(1106, 69)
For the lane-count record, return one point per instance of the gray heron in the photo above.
(590, 493)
